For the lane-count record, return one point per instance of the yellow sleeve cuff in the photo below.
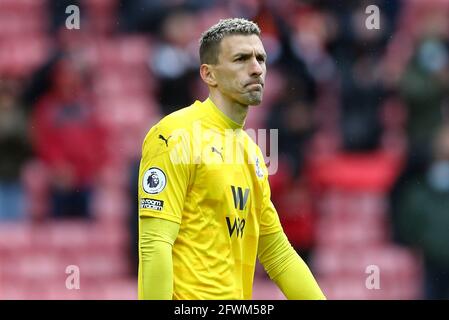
(156, 238)
(286, 268)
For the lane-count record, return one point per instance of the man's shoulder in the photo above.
(249, 140)
(180, 119)
(176, 122)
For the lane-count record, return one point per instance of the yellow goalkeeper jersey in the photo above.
(202, 170)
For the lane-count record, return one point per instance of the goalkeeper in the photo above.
(205, 213)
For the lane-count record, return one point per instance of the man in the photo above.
(209, 216)
(421, 218)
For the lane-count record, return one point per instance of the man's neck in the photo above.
(235, 111)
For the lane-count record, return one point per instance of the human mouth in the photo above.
(255, 85)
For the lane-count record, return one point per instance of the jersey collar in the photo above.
(225, 121)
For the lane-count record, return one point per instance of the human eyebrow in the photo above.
(245, 56)
(241, 56)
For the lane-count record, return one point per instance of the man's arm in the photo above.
(286, 268)
(156, 241)
(163, 185)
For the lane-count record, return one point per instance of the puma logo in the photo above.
(216, 151)
(165, 140)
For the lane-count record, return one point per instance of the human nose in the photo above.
(256, 68)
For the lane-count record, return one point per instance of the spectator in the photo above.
(422, 217)
(292, 117)
(148, 15)
(178, 48)
(14, 151)
(68, 138)
(424, 86)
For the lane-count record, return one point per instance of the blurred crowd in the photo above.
(77, 105)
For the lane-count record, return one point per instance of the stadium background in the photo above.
(357, 111)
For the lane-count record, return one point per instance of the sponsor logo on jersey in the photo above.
(147, 203)
(259, 171)
(163, 139)
(213, 149)
(154, 180)
(240, 198)
(238, 225)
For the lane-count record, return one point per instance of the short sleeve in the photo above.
(164, 173)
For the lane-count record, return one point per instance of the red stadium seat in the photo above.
(23, 55)
(349, 270)
(373, 172)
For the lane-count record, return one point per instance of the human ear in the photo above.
(207, 74)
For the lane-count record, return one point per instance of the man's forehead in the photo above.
(236, 43)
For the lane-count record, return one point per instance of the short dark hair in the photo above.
(211, 38)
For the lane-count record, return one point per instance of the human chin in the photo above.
(254, 98)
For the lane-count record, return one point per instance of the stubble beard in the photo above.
(254, 98)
